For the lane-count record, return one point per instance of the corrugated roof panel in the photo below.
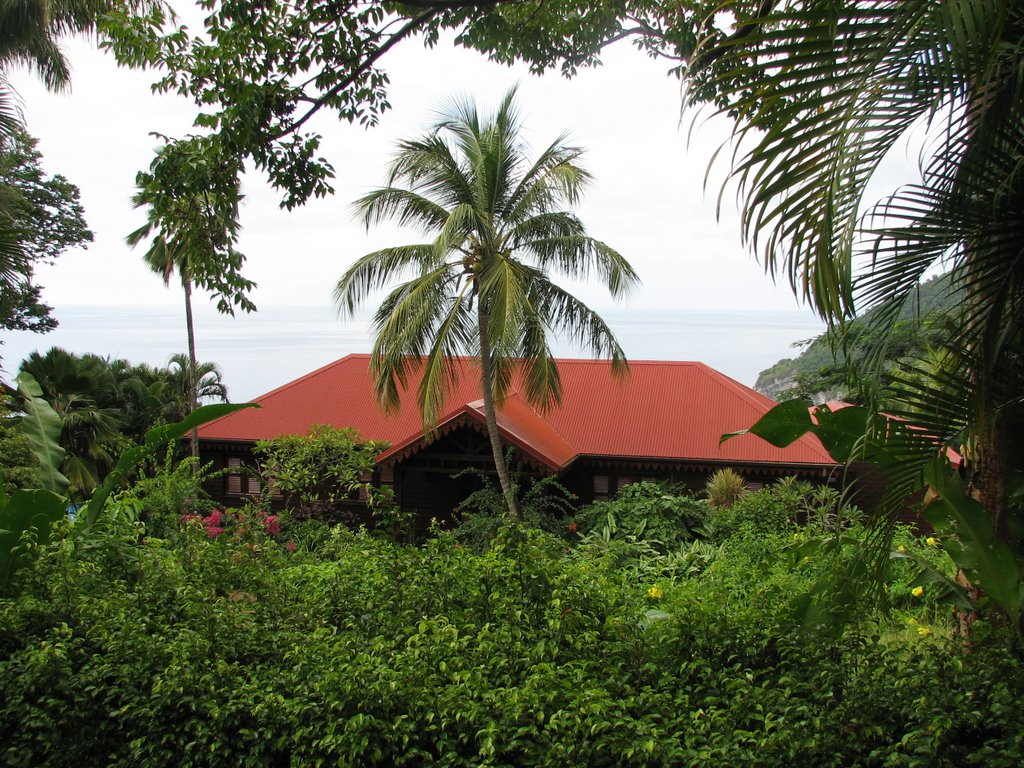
(669, 410)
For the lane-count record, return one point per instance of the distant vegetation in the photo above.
(825, 370)
(104, 405)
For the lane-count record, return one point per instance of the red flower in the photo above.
(290, 546)
(572, 527)
(273, 524)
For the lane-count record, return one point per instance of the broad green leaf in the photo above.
(782, 425)
(42, 426)
(841, 431)
(971, 542)
(26, 510)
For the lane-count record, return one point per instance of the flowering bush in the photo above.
(220, 521)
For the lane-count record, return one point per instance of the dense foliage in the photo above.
(18, 465)
(315, 473)
(106, 404)
(258, 643)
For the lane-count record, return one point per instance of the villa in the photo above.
(658, 421)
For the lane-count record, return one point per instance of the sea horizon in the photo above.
(264, 350)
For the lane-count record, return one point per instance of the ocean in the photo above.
(269, 348)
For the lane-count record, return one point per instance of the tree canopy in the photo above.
(45, 218)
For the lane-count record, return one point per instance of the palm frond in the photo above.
(376, 270)
(406, 207)
(566, 315)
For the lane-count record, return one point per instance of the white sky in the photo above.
(648, 201)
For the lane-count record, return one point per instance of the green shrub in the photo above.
(233, 651)
(170, 489)
(316, 471)
(544, 504)
(725, 488)
(758, 513)
(653, 512)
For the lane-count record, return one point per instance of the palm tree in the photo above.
(77, 388)
(180, 375)
(481, 286)
(193, 198)
(823, 92)
(165, 255)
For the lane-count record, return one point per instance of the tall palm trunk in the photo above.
(491, 416)
(193, 403)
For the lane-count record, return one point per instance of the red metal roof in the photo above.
(658, 410)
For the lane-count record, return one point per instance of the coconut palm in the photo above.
(481, 287)
(192, 198)
(30, 29)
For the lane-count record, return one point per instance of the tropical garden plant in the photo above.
(725, 487)
(860, 79)
(90, 428)
(482, 287)
(192, 195)
(316, 473)
(220, 643)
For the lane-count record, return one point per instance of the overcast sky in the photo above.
(648, 202)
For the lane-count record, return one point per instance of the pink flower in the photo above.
(273, 525)
(213, 531)
(290, 546)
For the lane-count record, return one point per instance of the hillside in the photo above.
(818, 373)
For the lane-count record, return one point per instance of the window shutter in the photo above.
(234, 476)
(600, 486)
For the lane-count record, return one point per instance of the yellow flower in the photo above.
(923, 631)
(911, 622)
(917, 591)
(901, 548)
(931, 541)
(655, 593)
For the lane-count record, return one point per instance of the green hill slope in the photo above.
(818, 374)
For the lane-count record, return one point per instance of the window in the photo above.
(364, 480)
(239, 481)
(600, 486)
(234, 476)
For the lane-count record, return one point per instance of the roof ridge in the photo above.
(321, 369)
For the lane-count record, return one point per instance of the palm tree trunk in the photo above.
(186, 283)
(491, 416)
